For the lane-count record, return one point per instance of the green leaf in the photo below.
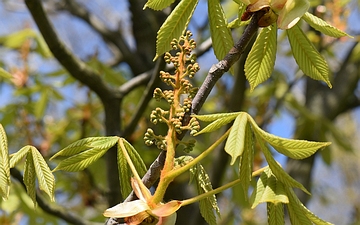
(17, 39)
(296, 149)
(44, 175)
(322, 26)
(310, 215)
(296, 212)
(4, 74)
(247, 160)
(158, 4)
(41, 104)
(268, 189)
(222, 40)
(261, 59)
(81, 160)
(307, 57)
(236, 140)
(279, 172)
(216, 116)
(29, 177)
(124, 173)
(135, 158)
(19, 155)
(174, 26)
(218, 123)
(275, 214)
(4, 165)
(203, 185)
(101, 143)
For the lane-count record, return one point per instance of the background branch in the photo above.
(54, 210)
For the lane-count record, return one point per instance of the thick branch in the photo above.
(49, 208)
(108, 35)
(78, 69)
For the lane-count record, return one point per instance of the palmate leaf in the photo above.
(4, 74)
(222, 40)
(175, 25)
(296, 149)
(19, 155)
(81, 160)
(295, 203)
(101, 143)
(322, 26)
(247, 160)
(135, 158)
(235, 142)
(279, 172)
(123, 165)
(45, 178)
(124, 173)
(307, 57)
(213, 117)
(261, 59)
(222, 119)
(203, 185)
(275, 214)
(158, 4)
(29, 177)
(268, 189)
(4, 165)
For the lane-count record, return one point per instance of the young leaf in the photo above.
(275, 214)
(246, 160)
(218, 123)
(296, 212)
(222, 40)
(45, 178)
(322, 26)
(175, 25)
(135, 158)
(307, 57)
(279, 173)
(203, 185)
(236, 140)
(4, 165)
(16, 157)
(311, 216)
(101, 143)
(29, 177)
(296, 149)
(40, 105)
(158, 4)
(81, 160)
(268, 189)
(261, 59)
(124, 173)
(4, 74)
(216, 116)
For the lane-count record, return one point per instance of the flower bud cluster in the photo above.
(185, 68)
(159, 115)
(150, 138)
